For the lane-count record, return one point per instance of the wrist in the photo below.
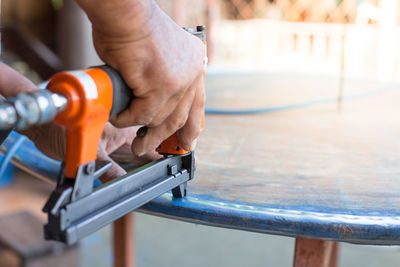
(116, 18)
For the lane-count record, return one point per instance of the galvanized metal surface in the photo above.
(310, 172)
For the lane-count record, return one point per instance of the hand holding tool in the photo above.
(82, 102)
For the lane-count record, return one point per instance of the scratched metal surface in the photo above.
(310, 172)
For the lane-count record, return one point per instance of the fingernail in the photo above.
(194, 144)
(141, 132)
(142, 153)
(138, 152)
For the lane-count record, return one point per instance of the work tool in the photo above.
(83, 101)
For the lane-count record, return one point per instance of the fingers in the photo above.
(114, 138)
(123, 155)
(164, 72)
(115, 145)
(106, 146)
(166, 110)
(12, 83)
(193, 126)
(155, 135)
(159, 80)
(139, 112)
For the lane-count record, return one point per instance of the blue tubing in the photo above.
(10, 152)
(250, 111)
(28, 155)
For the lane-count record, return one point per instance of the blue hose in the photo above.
(250, 111)
(29, 156)
(10, 153)
(23, 151)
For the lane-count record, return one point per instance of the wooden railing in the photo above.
(264, 45)
(342, 11)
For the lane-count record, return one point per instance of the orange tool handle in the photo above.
(93, 96)
(90, 95)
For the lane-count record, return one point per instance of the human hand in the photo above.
(162, 63)
(50, 139)
(12, 83)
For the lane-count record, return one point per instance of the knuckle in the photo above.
(181, 121)
(173, 84)
(196, 130)
(155, 122)
(144, 120)
(140, 91)
(117, 123)
(146, 115)
(180, 124)
(176, 123)
(202, 101)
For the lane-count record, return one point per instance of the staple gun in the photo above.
(83, 101)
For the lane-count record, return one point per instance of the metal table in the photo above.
(316, 173)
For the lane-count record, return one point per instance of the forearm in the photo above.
(118, 17)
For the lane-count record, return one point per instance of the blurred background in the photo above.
(360, 37)
(336, 41)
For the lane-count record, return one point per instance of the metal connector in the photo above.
(200, 32)
(28, 109)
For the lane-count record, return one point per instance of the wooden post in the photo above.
(387, 46)
(124, 242)
(178, 12)
(315, 253)
(259, 7)
(75, 38)
(212, 8)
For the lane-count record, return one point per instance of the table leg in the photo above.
(315, 253)
(124, 243)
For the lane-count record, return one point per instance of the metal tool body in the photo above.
(73, 216)
(82, 102)
(25, 110)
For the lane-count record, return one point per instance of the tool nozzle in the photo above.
(28, 109)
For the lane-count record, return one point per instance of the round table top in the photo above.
(316, 172)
